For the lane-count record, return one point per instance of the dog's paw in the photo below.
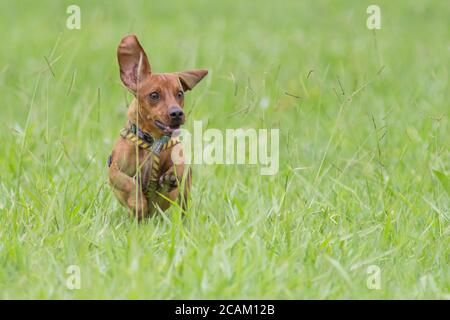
(168, 182)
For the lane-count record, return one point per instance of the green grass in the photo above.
(364, 153)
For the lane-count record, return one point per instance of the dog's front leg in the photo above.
(167, 189)
(171, 184)
(128, 193)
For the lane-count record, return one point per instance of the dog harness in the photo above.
(146, 141)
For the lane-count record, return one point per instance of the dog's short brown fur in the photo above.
(157, 109)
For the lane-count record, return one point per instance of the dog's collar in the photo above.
(147, 137)
(146, 140)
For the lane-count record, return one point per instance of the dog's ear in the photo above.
(133, 62)
(190, 78)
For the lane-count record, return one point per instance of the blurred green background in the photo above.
(364, 151)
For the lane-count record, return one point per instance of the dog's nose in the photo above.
(176, 114)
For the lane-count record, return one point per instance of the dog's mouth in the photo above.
(168, 129)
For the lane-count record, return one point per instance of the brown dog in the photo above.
(141, 171)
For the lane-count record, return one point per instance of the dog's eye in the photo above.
(154, 96)
(180, 94)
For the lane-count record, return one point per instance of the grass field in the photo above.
(364, 151)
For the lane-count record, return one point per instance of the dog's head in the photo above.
(160, 96)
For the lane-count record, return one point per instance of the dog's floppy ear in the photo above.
(133, 62)
(190, 78)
